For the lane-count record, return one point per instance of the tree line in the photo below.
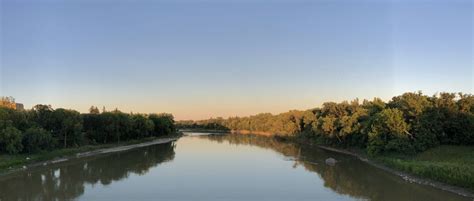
(409, 123)
(44, 128)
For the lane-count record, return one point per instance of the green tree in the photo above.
(389, 132)
(42, 115)
(10, 140)
(141, 126)
(67, 126)
(411, 104)
(94, 110)
(466, 103)
(164, 124)
(373, 107)
(122, 123)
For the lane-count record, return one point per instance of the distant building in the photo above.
(20, 106)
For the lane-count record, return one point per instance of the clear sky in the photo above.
(209, 58)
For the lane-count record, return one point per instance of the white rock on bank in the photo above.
(331, 161)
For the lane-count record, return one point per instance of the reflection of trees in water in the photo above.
(66, 181)
(349, 176)
(287, 149)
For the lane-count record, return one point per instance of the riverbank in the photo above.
(12, 163)
(449, 168)
(450, 164)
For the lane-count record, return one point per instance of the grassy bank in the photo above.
(449, 164)
(11, 162)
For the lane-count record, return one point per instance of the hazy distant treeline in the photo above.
(45, 128)
(408, 123)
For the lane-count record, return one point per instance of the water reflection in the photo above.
(349, 176)
(216, 167)
(67, 181)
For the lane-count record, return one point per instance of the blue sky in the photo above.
(201, 59)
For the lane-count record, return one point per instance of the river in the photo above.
(215, 167)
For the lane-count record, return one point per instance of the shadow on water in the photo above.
(67, 180)
(349, 176)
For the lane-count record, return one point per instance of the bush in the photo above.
(400, 145)
(10, 140)
(460, 129)
(375, 145)
(37, 139)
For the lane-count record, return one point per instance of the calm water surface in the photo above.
(216, 167)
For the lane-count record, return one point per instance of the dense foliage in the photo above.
(45, 128)
(408, 123)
